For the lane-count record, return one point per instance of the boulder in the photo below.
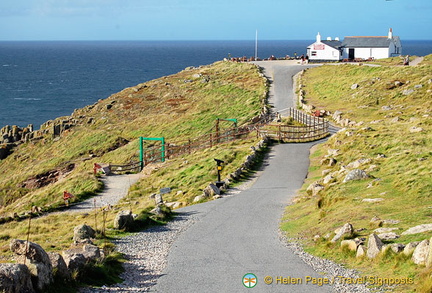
(15, 278)
(410, 247)
(418, 229)
(361, 251)
(83, 234)
(211, 190)
(356, 174)
(388, 236)
(77, 258)
(355, 86)
(350, 244)
(60, 269)
(397, 247)
(421, 252)
(346, 230)
(428, 262)
(415, 129)
(157, 198)
(124, 220)
(36, 259)
(374, 246)
(315, 188)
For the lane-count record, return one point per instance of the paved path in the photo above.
(239, 234)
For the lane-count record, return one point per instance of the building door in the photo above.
(351, 54)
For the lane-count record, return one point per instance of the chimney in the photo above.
(318, 38)
(390, 33)
(328, 38)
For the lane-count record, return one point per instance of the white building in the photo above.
(325, 50)
(352, 48)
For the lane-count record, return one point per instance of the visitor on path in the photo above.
(66, 197)
(406, 60)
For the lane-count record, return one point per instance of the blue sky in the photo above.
(212, 19)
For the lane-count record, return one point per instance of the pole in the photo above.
(141, 153)
(256, 44)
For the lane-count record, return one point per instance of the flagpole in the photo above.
(256, 44)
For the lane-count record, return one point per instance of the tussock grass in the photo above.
(384, 116)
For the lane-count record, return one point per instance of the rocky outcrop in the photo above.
(15, 278)
(124, 220)
(36, 259)
(83, 234)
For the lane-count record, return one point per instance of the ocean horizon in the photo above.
(43, 80)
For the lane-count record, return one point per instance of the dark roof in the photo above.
(368, 42)
(333, 44)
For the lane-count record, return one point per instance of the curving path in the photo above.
(237, 235)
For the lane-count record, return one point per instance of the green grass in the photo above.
(402, 177)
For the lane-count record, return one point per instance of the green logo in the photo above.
(249, 280)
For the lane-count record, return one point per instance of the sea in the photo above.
(40, 81)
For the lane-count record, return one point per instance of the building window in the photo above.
(314, 53)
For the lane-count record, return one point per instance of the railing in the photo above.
(314, 128)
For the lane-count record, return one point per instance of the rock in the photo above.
(36, 259)
(124, 220)
(74, 260)
(174, 205)
(328, 179)
(346, 230)
(358, 163)
(418, 86)
(15, 278)
(211, 190)
(83, 234)
(376, 221)
(361, 251)
(388, 236)
(415, 129)
(355, 86)
(157, 198)
(420, 253)
(374, 246)
(410, 247)
(350, 244)
(428, 262)
(315, 188)
(418, 229)
(333, 152)
(386, 108)
(60, 269)
(372, 200)
(355, 174)
(407, 92)
(397, 247)
(384, 230)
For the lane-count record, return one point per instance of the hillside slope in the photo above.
(177, 107)
(386, 114)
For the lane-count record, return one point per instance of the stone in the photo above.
(358, 163)
(356, 174)
(374, 246)
(418, 86)
(123, 220)
(199, 198)
(384, 230)
(83, 233)
(157, 198)
(372, 200)
(410, 247)
(15, 278)
(355, 86)
(376, 221)
(415, 129)
(361, 251)
(74, 260)
(388, 236)
(328, 179)
(386, 108)
(211, 190)
(418, 229)
(407, 92)
(428, 262)
(315, 188)
(37, 261)
(346, 230)
(350, 244)
(60, 269)
(420, 252)
(397, 247)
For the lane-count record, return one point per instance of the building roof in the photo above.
(369, 42)
(334, 44)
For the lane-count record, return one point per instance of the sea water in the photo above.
(40, 81)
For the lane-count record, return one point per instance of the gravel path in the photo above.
(115, 188)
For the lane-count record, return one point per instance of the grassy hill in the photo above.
(177, 107)
(390, 133)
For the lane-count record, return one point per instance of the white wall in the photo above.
(365, 53)
(328, 53)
